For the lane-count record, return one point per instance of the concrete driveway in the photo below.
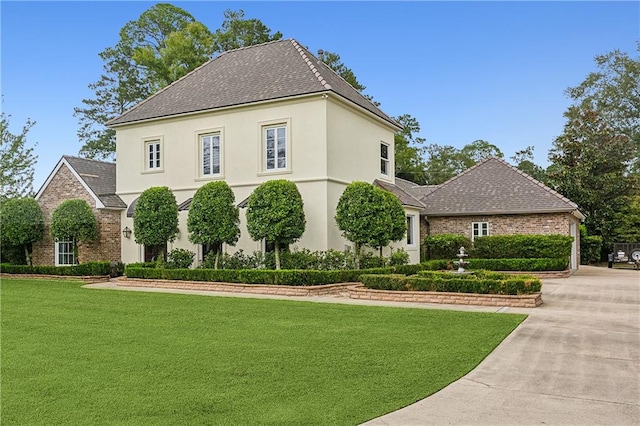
(574, 360)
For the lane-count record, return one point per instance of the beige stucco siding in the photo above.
(353, 143)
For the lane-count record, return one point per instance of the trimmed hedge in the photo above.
(480, 283)
(255, 276)
(522, 246)
(539, 264)
(445, 246)
(84, 269)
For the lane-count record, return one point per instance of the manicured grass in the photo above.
(79, 356)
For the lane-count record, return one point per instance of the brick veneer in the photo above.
(510, 224)
(64, 186)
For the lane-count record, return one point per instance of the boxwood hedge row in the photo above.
(84, 269)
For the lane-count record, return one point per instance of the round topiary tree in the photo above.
(368, 215)
(74, 219)
(22, 224)
(275, 212)
(213, 216)
(155, 217)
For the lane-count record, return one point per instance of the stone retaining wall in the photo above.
(84, 278)
(349, 290)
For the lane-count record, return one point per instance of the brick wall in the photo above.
(65, 186)
(542, 223)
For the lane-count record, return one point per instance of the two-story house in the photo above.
(271, 111)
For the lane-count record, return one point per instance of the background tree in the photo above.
(74, 220)
(155, 218)
(592, 163)
(213, 216)
(237, 31)
(523, 160)
(409, 150)
(444, 162)
(627, 221)
(22, 224)
(613, 91)
(16, 161)
(275, 212)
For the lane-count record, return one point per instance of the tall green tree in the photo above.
(22, 224)
(333, 61)
(73, 219)
(275, 212)
(592, 162)
(445, 162)
(237, 31)
(409, 150)
(16, 161)
(613, 91)
(155, 217)
(523, 160)
(213, 216)
(395, 227)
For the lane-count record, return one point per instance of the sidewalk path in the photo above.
(574, 360)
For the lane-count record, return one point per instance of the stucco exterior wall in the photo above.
(64, 186)
(330, 145)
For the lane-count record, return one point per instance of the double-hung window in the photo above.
(410, 227)
(153, 155)
(479, 229)
(384, 158)
(65, 252)
(275, 148)
(210, 154)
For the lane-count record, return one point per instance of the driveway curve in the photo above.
(574, 360)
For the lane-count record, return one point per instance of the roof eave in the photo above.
(571, 211)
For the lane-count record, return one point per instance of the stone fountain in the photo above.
(461, 262)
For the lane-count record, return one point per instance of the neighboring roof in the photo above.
(493, 186)
(417, 191)
(405, 198)
(97, 177)
(264, 72)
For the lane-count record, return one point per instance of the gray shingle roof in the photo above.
(100, 177)
(417, 191)
(493, 186)
(269, 71)
(405, 198)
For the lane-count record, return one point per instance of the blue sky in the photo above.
(466, 70)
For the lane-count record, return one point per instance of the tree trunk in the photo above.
(215, 264)
(277, 256)
(356, 250)
(27, 255)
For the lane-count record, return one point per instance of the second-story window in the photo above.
(275, 140)
(384, 158)
(210, 151)
(154, 159)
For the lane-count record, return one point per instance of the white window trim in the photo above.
(57, 252)
(145, 154)
(473, 224)
(387, 160)
(262, 146)
(411, 230)
(200, 176)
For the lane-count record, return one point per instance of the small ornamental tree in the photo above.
(368, 215)
(213, 216)
(275, 212)
(74, 219)
(155, 217)
(22, 224)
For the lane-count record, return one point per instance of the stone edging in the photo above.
(543, 274)
(84, 278)
(348, 290)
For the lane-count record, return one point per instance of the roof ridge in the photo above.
(537, 182)
(312, 67)
(88, 159)
(462, 173)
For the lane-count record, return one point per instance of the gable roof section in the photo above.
(264, 72)
(493, 186)
(97, 177)
(405, 198)
(415, 190)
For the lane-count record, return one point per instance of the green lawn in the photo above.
(79, 356)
